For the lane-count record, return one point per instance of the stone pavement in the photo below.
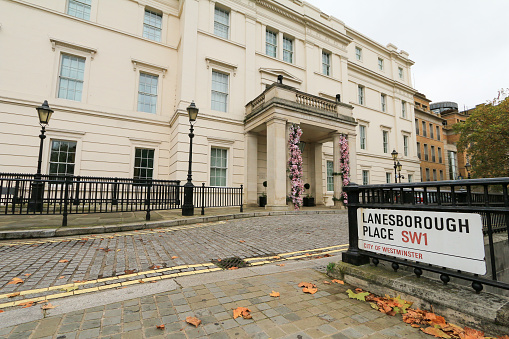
(75, 265)
(134, 312)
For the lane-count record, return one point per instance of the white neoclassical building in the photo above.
(119, 75)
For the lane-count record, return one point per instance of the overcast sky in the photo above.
(460, 47)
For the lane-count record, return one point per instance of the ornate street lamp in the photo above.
(399, 166)
(467, 167)
(35, 203)
(188, 206)
(395, 158)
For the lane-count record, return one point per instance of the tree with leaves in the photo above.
(485, 137)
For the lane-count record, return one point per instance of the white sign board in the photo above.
(452, 240)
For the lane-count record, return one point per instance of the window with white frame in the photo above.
(405, 145)
(365, 177)
(218, 166)
(330, 176)
(62, 157)
(358, 53)
(152, 25)
(381, 64)
(143, 163)
(147, 93)
(410, 178)
(360, 91)
(362, 136)
(383, 102)
(221, 22)
(400, 72)
(385, 140)
(220, 91)
(287, 49)
(403, 109)
(271, 43)
(72, 71)
(388, 177)
(79, 8)
(326, 63)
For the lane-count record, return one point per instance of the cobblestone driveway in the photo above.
(40, 264)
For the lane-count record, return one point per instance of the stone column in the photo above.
(251, 163)
(338, 182)
(352, 146)
(276, 165)
(318, 166)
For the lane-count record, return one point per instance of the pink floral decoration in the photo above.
(344, 164)
(295, 166)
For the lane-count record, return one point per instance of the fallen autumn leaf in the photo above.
(12, 295)
(274, 294)
(193, 321)
(15, 281)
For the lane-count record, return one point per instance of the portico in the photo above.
(267, 122)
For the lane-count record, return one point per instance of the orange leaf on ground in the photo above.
(193, 321)
(129, 271)
(308, 254)
(435, 332)
(280, 265)
(309, 290)
(15, 281)
(327, 255)
(326, 282)
(415, 325)
(63, 260)
(27, 304)
(473, 334)
(79, 281)
(174, 257)
(27, 274)
(338, 281)
(2, 311)
(435, 319)
(61, 277)
(241, 311)
(307, 285)
(242, 241)
(219, 260)
(155, 267)
(502, 337)
(12, 295)
(233, 268)
(47, 306)
(274, 294)
(276, 257)
(161, 327)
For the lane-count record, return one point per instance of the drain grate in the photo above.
(230, 262)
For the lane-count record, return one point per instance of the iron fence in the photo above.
(26, 194)
(487, 197)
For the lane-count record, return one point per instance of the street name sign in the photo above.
(452, 240)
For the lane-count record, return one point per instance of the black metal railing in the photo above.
(66, 195)
(487, 197)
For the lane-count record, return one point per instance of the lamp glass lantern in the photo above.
(192, 111)
(394, 155)
(44, 112)
(399, 166)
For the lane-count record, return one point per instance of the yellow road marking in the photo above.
(144, 280)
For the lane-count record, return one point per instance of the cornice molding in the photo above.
(381, 78)
(224, 64)
(57, 42)
(137, 63)
(275, 72)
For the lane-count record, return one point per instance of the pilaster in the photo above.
(276, 164)
(251, 163)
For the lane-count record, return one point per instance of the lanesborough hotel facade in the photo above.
(119, 75)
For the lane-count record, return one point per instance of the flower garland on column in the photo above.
(344, 164)
(295, 166)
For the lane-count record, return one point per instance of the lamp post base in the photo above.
(36, 198)
(188, 206)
